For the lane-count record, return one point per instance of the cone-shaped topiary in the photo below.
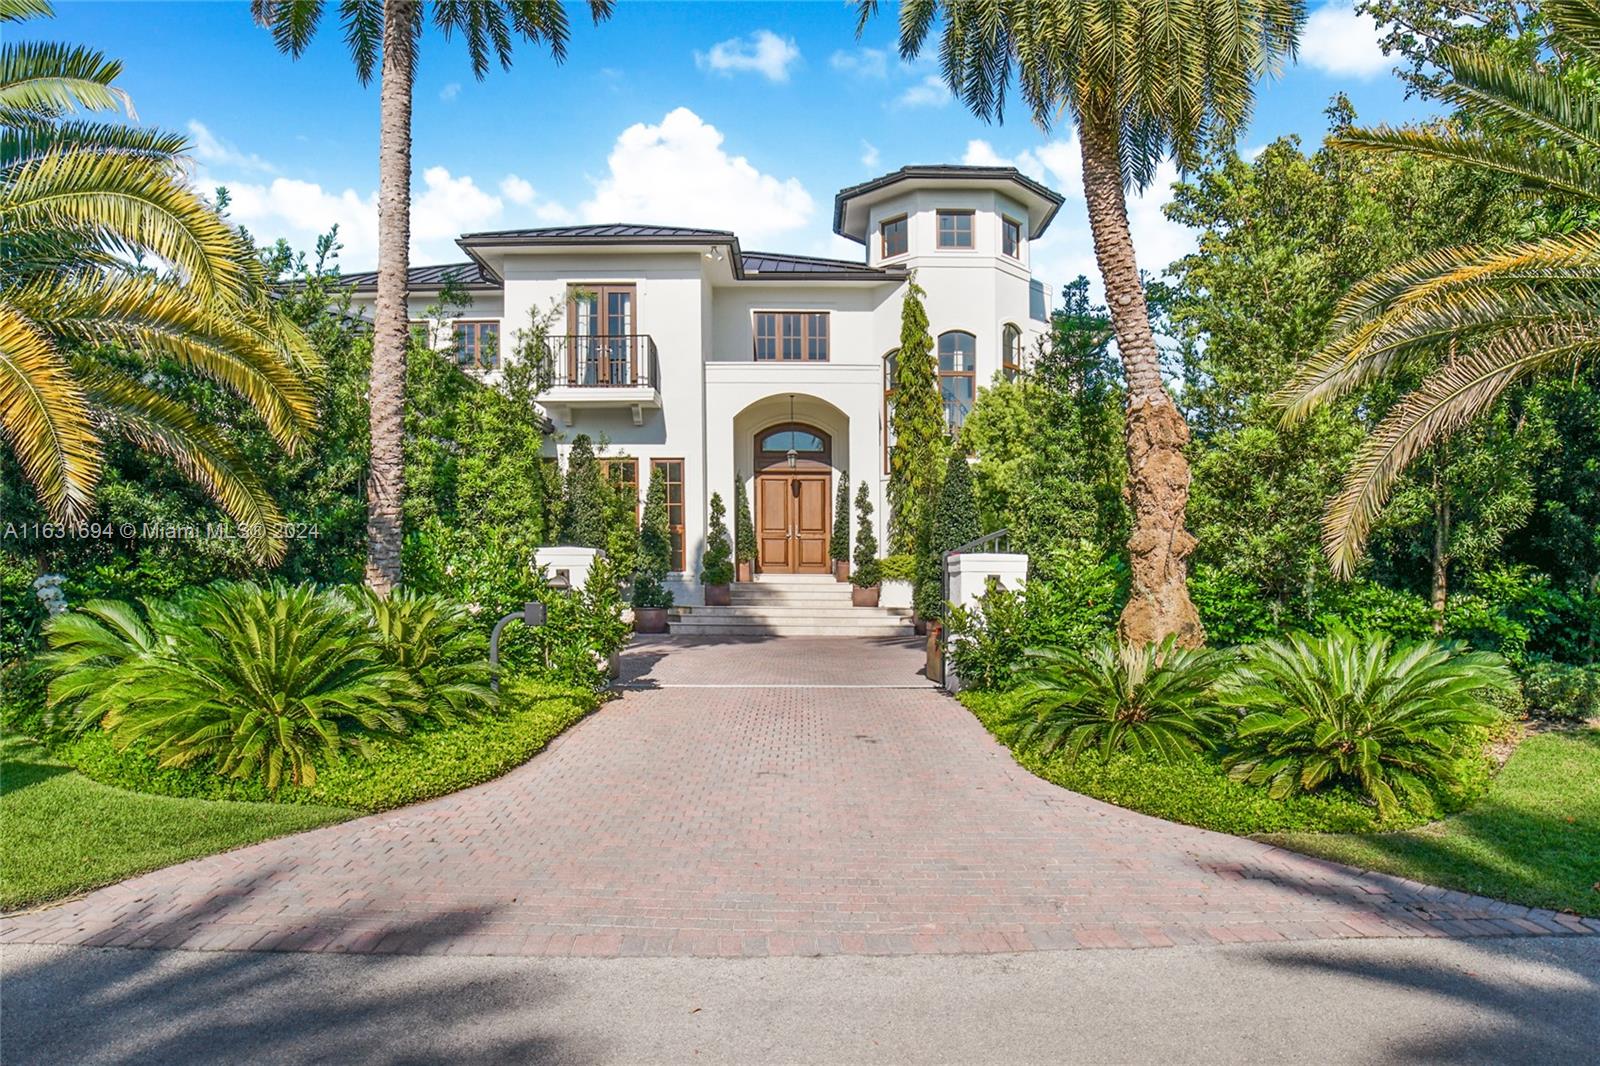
(584, 514)
(744, 526)
(955, 522)
(839, 547)
(655, 547)
(864, 570)
(716, 565)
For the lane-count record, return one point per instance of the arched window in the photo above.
(812, 447)
(958, 361)
(1010, 352)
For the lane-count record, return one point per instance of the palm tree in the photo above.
(1140, 80)
(1505, 311)
(383, 35)
(85, 328)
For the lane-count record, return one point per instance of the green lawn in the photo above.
(1534, 839)
(64, 833)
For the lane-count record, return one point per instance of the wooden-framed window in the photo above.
(958, 384)
(672, 470)
(791, 336)
(622, 472)
(894, 237)
(477, 343)
(1010, 352)
(955, 229)
(1011, 237)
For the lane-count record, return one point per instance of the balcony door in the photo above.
(603, 349)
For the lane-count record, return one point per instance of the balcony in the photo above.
(615, 370)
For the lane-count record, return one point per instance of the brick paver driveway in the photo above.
(794, 796)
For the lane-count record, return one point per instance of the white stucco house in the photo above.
(677, 348)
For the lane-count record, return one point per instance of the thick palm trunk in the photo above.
(386, 480)
(1158, 472)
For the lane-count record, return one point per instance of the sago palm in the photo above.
(383, 36)
(1341, 709)
(1508, 311)
(1153, 700)
(439, 646)
(262, 682)
(1141, 80)
(84, 327)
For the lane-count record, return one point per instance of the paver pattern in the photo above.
(761, 818)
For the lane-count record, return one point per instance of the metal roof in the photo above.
(778, 263)
(469, 275)
(609, 233)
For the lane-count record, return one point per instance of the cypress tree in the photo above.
(955, 522)
(839, 547)
(584, 518)
(655, 547)
(918, 428)
(744, 526)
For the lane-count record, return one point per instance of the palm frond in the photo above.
(45, 415)
(1541, 166)
(45, 80)
(1577, 23)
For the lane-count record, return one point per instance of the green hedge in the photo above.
(1200, 792)
(401, 770)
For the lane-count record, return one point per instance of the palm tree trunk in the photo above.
(386, 480)
(1158, 473)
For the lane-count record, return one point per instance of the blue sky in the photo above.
(737, 115)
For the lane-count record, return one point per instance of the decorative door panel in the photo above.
(772, 523)
(811, 524)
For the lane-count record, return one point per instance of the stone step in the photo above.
(845, 613)
(796, 596)
(877, 628)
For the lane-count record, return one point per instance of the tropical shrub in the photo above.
(655, 547)
(261, 681)
(439, 645)
(864, 571)
(1154, 700)
(716, 564)
(897, 568)
(839, 543)
(1560, 690)
(1391, 720)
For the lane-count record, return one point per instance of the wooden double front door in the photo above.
(792, 522)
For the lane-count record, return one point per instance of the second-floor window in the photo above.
(791, 336)
(955, 229)
(1011, 352)
(894, 236)
(1011, 237)
(477, 343)
(958, 362)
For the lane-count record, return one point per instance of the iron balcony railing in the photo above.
(609, 361)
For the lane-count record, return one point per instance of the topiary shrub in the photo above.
(1389, 720)
(839, 545)
(585, 513)
(744, 526)
(897, 568)
(655, 547)
(864, 567)
(716, 564)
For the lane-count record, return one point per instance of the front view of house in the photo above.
(677, 349)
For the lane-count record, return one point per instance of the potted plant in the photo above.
(716, 565)
(839, 546)
(651, 597)
(864, 578)
(744, 532)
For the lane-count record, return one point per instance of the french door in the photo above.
(602, 349)
(792, 526)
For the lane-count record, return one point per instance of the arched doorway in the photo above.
(794, 474)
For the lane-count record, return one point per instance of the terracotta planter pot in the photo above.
(649, 619)
(718, 596)
(744, 572)
(935, 665)
(841, 570)
(864, 597)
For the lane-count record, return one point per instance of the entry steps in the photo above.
(790, 605)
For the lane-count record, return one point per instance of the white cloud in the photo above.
(676, 172)
(863, 62)
(1067, 248)
(211, 151)
(763, 52)
(450, 92)
(1338, 40)
(929, 92)
(516, 189)
(869, 154)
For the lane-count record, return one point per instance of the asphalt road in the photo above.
(1500, 1001)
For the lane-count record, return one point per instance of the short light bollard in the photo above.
(532, 615)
